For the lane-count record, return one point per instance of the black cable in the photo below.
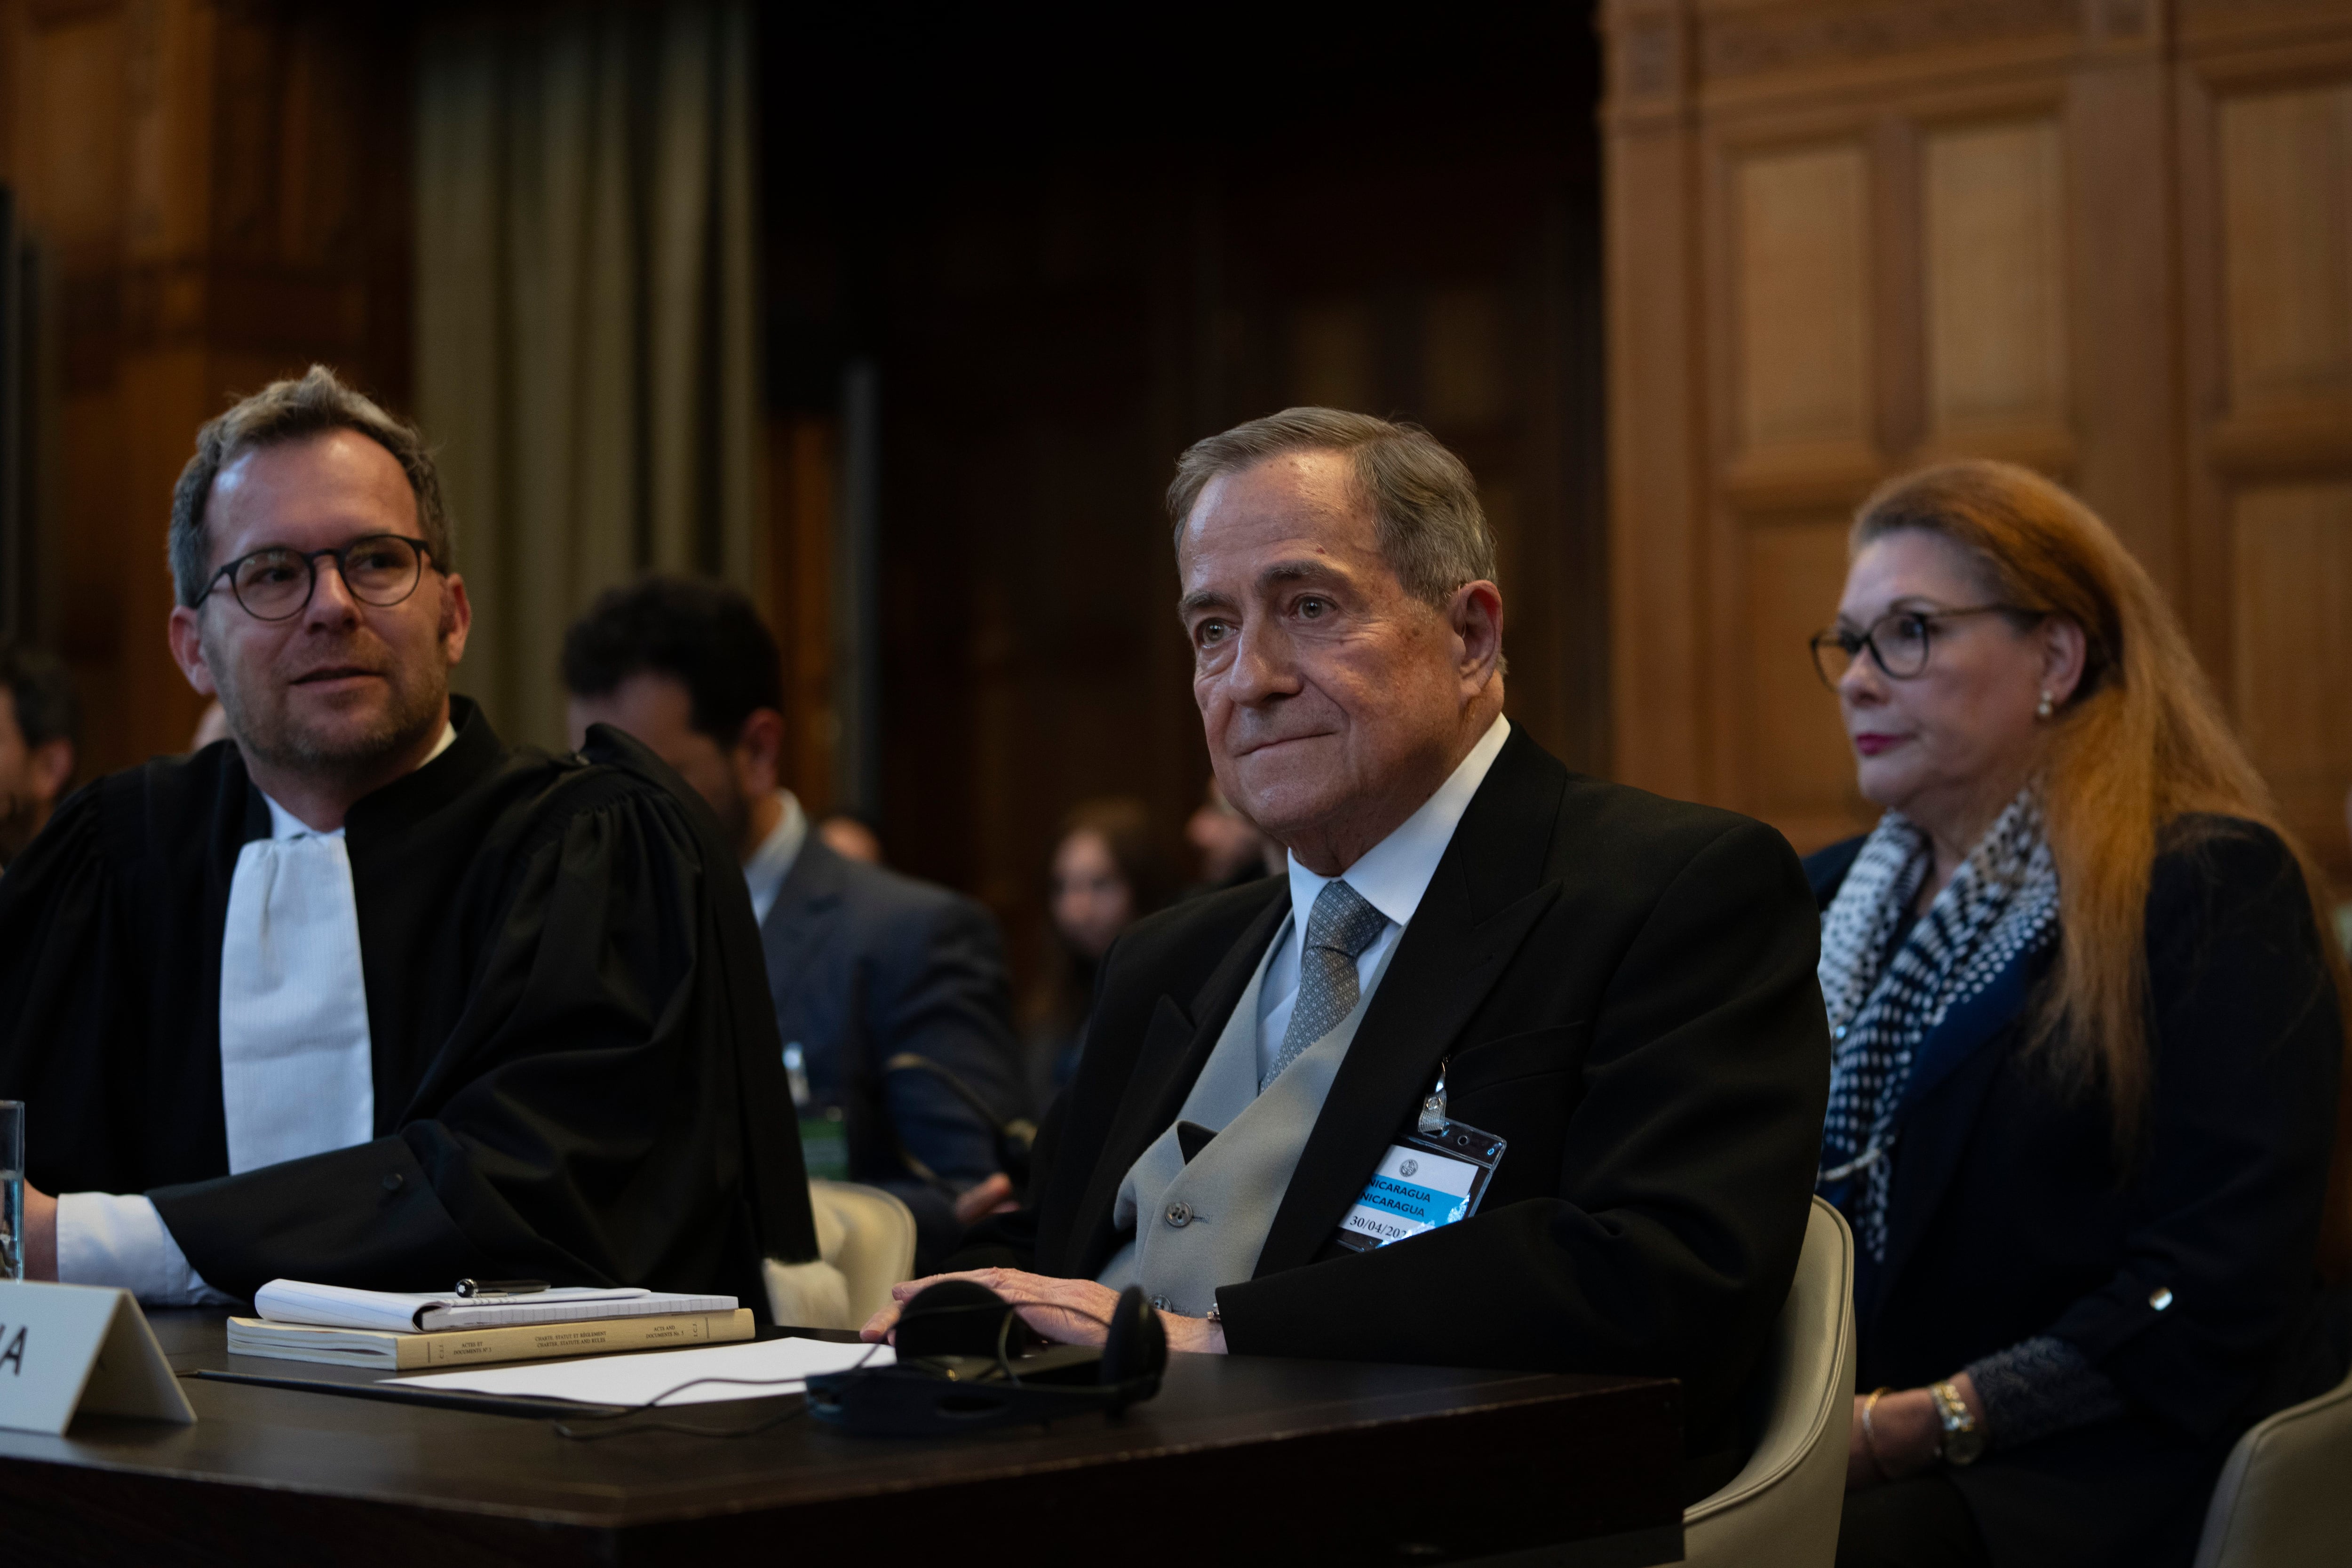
(565, 1429)
(1003, 1364)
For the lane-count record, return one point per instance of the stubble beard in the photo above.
(349, 751)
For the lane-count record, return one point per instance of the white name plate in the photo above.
(70, 1348)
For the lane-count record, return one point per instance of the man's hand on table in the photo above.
(40, 1234)
(1071, 1312)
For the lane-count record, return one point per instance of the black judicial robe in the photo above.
(576, 1071)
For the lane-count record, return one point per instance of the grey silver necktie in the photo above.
(1339, 928)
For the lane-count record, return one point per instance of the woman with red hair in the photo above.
(2087, 1037)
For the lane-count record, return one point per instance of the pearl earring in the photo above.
(2044, 710)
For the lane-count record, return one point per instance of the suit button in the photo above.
(1180, 1214)
(392, 1183)
(2160, 1298)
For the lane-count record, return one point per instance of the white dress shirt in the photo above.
(771, 862)
(297, 1062)
(1392, 875)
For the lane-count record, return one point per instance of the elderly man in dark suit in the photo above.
(1288, 1120)
(890, 992)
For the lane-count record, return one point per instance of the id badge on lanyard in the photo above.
(1434, 1174)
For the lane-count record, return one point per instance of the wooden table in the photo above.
(1239, 1459)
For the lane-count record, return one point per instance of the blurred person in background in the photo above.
(852, 837)
(890, 993)
(1108, 872)
(2087, 1045)
(40, 724)
(1232, 851)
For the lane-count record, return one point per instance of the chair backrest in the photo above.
(1781, 1510)
(869, 1236)
(2285, 1498)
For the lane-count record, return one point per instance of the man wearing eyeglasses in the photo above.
(361, 995)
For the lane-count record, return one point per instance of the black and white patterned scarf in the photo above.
(2001, 903)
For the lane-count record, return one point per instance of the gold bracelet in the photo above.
(1869, 1435)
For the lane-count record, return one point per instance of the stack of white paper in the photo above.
(770, 1367)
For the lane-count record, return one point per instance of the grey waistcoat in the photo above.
(1201, 1226)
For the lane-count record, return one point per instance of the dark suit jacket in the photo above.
(1623, 987)
(864, 963)
(2010, 1218)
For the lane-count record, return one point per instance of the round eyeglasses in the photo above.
(1899, 644)
(275, 583)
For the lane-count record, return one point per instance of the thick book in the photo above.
(415, 1352)
(399, 1312)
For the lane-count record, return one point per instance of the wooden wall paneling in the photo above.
(1898, 286)
(2124, 281)
(1660, 642)
(2263, 125)
(802, 474)
(2292, 577)
(2110, 239)
(1803, 781)
(221, 194)
(1994, 258)
(2287, 223)
(1568, 415)
(2204, 598)
(1796, 282)
(1334, 354)
(1802, 330)
(163, 374)
(69, 162)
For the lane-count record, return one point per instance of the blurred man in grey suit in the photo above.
(890, 992)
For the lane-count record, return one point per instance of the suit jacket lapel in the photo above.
(1175, 1049)
(798, 925)
(1487, 894)
(1950, 1074)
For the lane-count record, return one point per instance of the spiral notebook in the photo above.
(396, 1311)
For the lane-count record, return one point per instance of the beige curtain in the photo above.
(586, 316)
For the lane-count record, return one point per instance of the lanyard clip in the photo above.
(1432, 1108)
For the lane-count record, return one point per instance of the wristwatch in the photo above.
(1963, 1438)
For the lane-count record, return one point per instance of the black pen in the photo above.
(476, 1288)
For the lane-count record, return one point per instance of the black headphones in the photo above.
(957, 1373)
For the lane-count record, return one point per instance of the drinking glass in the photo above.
(12, 1189)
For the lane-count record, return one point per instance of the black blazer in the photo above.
(2009, 1218)
(1623, 987)
(863, 964)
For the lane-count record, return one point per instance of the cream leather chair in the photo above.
(864, 1243)
(2285, 1499)
(1781, 1510)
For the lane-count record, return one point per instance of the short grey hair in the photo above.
(1432, 530)
(295, 410)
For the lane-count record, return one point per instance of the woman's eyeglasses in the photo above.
(1899, 643)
